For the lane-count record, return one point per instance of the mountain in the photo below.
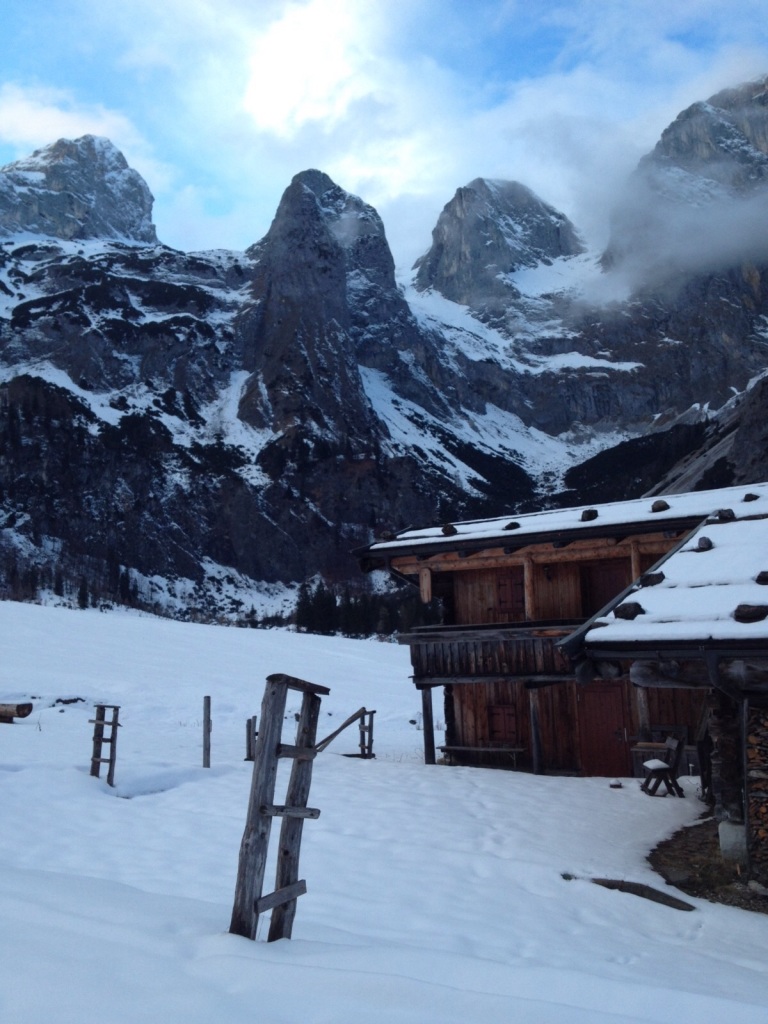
(484, 234)
(698, 201)
(199, 432)
(76, 190)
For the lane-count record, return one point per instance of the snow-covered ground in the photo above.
(434, 894)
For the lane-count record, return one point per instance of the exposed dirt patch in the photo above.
(691, 861)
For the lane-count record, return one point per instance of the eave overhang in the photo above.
(383, 555)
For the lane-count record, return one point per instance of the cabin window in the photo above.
(511, 594)
(502, 723)
(489, 595)
(602, 581)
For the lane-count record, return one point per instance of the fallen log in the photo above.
(10, 711)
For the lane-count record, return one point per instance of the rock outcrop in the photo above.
(76, 190)
(486, 232)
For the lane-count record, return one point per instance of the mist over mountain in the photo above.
(199, 432)
(698, 201)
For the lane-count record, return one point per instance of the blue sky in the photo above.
(218, 103)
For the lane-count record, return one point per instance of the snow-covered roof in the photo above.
(650, 513)
(713, 588)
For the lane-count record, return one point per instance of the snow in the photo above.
(434, 894)
(692, 505)
(701, 590)
(492, 430)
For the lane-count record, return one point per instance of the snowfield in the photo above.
(435, 894)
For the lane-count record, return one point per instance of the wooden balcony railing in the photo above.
(464, 654)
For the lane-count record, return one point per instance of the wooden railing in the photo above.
(445, 654)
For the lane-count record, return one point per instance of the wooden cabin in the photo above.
(700, 621)
(511, 589)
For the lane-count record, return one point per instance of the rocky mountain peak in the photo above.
(487, 231)
(696, 202)
(317, 216)
(76, 190)
(723, 139)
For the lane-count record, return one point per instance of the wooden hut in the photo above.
(511, 589)
(700, 621)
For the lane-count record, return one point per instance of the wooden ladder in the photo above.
(249, 901)
(100, 724)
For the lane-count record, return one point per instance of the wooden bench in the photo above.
(664, 769)
(10, 711)
(512, 751)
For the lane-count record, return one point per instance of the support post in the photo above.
(207, 732)
(533, 700)
(529, 591)
(643, 713)
(251, 733)
(98, 740)
(366, 734)
(429, 725)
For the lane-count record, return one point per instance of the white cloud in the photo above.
(31, 117)
(311, 64)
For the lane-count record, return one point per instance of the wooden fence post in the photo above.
(251, 732)
(207, 726)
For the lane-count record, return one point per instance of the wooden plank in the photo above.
(297, 794)
(255, 841)
(444, 635)
(298, 684)
(298, 753)
(542, 553)
(487, 749)
(280, 897)
(319, 747)
(427, 682)
(281, 811)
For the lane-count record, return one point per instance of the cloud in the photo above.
(311, 64)
(218, 103)
(31, 117)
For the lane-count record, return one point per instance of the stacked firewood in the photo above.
(757, 793)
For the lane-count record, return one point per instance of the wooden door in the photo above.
(603, 730)
(502, 723)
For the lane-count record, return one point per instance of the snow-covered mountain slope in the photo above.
(252, 417)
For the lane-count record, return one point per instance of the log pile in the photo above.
(757, 793)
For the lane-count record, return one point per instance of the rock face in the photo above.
(486, 232)
(76, 190)
(724, 140)
(204, 424)
(699, 199)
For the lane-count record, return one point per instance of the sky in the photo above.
(218, 103)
